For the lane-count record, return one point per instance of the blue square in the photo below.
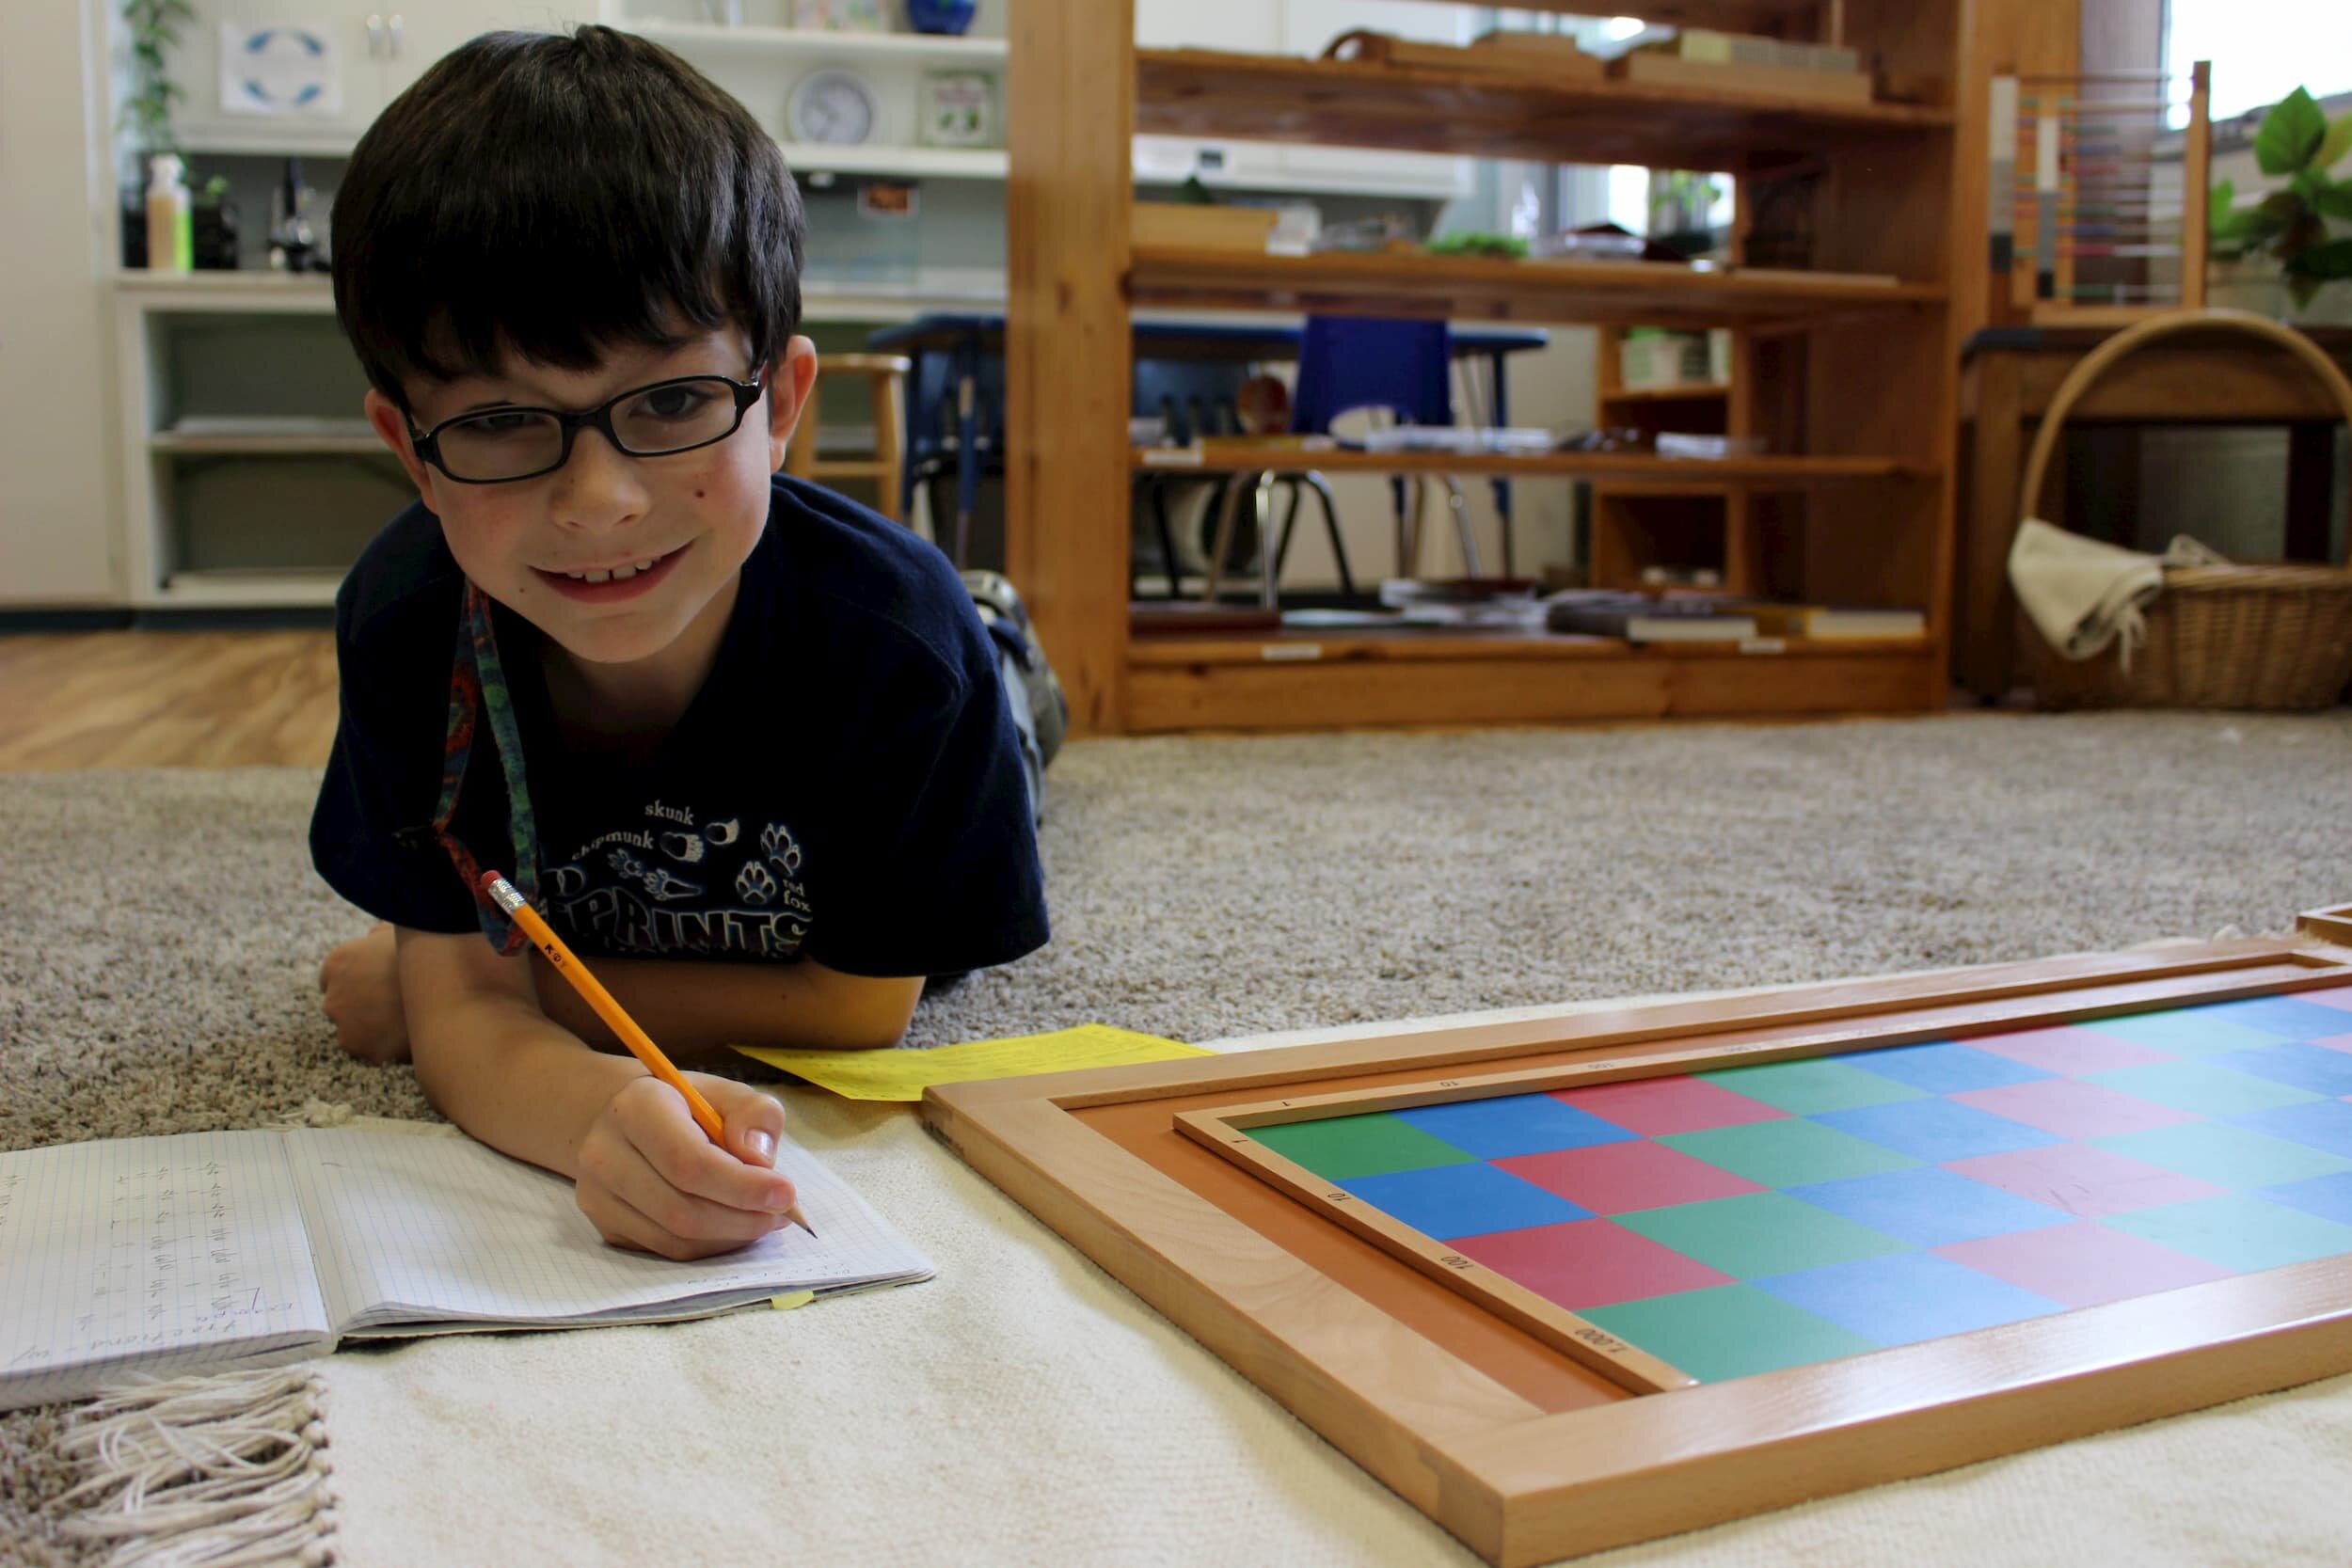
(1514, 1124)
(2322, 1124)
(2289, 1018)
(2186, 1031)
(1936, 1130)
(1446, 1201)
(1942, 1067)
(2304, 1067)
(2328, 1196)
(1904, 1297)
(1929, 1208)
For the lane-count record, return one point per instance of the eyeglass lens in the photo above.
(508, 443)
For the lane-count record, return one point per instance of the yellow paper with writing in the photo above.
(904, 1074)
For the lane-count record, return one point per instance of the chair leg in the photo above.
(1290, 520)
(1168, 534)
(1322, 488)
(1460, 504)
(1261, 509)
(1222, 540)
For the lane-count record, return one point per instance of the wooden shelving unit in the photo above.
(1844, 365)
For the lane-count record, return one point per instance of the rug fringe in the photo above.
(224, 1471)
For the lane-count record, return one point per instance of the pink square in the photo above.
(1588, 1262)
(2082, 1180)
(2073, 1051)
(1615, 1179)
(2333, 996)
(2072, 1109)
(1656, 1106)
(2335, 1042)
(2082, 1265)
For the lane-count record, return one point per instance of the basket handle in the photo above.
(2078, 380)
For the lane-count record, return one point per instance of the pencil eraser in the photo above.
(486, 880)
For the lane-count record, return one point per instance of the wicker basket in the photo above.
(2224, 636)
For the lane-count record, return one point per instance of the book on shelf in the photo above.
(1720, 48)
(1837, 621)
(208, 1251)
(1640, 618)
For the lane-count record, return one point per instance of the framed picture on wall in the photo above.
(958, 108)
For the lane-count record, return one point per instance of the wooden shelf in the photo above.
(1202, 92)
(687, 37)
(1304, 680)
(1689, 391)
(1459, 288)
(1630, 466)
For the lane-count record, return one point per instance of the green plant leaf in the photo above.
(2323, 263)
(2334, 145)
(2290, 134)
(2333, 199)
(2304, 290)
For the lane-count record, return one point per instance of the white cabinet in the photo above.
(1295, 27)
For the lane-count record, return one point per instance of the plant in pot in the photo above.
(151, 30)
(2289, 227)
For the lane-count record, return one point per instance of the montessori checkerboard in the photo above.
(1757, 1217)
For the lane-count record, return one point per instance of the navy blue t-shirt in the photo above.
(847, 784)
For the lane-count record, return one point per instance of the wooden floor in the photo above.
(166, 699)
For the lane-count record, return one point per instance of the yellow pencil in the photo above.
(502, 892)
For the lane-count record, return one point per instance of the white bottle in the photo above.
(170, 222)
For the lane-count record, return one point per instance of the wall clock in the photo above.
(832, 107)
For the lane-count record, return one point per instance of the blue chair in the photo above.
(1401, 368)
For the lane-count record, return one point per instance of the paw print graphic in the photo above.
(777, 844)
(754, 885)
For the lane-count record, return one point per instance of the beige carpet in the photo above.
(159, 932)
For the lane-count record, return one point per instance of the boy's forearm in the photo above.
(692, 1007)
(517, 1080)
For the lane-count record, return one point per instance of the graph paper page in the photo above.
(187, 1250)
(424, 1229)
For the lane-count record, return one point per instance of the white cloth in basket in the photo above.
(2084, 595)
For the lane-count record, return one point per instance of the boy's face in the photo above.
(684, 522)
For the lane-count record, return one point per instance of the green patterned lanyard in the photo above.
(477, 685)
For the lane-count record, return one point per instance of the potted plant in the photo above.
(2283, 240)
(151, 29)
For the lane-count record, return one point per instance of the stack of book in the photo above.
(1640, 618)
(1742, 62)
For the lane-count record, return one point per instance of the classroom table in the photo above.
(966, 341)
(2007, 377)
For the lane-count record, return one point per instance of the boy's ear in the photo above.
(791, 380)
(392, 424)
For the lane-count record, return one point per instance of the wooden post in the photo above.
(1070, 91)
(2196, 182)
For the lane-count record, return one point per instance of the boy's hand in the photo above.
(650, 1179)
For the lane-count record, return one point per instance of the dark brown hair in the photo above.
(551, 195)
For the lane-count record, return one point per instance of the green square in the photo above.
(1727, 1331)
(2237, 1231)
(1340, 1148)
(2209, 1091)
(1758, 1234)
(1801, 1088)
(2225, 1156)
(1787, 1153)
(2182, 1031)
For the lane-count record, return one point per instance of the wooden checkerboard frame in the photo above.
(1530, 1447)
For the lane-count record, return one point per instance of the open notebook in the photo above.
(210, 1250)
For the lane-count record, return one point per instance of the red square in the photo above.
(2071, 1108)
(2072, 1052)
(1616, 1179)
(1655, 1106)
(2082, 1180)
(1582, 1264)
(2082, 1265)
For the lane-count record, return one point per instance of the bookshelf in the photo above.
(1844, 364)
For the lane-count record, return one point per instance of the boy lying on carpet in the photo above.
(748, 745)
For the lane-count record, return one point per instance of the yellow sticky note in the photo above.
(791, 1299)
(904, 1074)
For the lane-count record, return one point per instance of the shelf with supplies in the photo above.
(1195, 92)
(1468, 288)
(843, 42)
(1761, 472)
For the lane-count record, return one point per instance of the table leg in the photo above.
(2311, 484)
(967, 447)
(1983, 653)
(1500, 400)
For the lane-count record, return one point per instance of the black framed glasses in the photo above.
(497, 446)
